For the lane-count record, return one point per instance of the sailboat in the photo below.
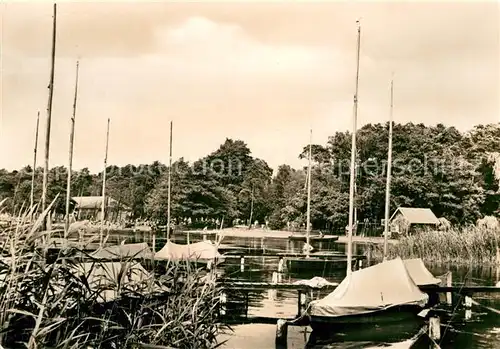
(308, 237)
(313, 261)
(203, 251)
(381, 293)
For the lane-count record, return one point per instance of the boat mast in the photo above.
(388, 184)
(103, 205)
(32, 194)
(308, 226)
(70, 162)
(353, 159)
(169, 183)
(49, 119)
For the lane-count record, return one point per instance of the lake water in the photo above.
(481, 331)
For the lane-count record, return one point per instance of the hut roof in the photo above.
(417, 215)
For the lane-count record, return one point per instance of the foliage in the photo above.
(455, 174)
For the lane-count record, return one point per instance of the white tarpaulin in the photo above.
(375, 288)
(112, 277)
(139, 250)
(203, 250)
(419, 273)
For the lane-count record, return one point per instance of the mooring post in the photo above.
(299, 304)
(247, 299)
(242, 264)
(435, 330)
(449, 282)
(468, 307)
(281, 333)
(281, 265)
(275, 278)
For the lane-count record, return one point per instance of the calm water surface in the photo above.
(481, 331)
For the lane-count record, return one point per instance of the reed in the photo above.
(469, 245)
(75, 301)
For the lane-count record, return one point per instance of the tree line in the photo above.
(456, 174)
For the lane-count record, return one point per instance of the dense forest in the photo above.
(455, 174)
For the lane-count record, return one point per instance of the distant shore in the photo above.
(283, 234)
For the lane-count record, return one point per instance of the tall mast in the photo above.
(308, 226)
(103, 205)
(353, 158)
(169, 183)
(32, 194)
(388, 184)
(49, 118)
(70, 160)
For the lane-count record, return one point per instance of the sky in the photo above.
(262, 72)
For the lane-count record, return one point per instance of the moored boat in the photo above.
(203, 251)
(378, 294)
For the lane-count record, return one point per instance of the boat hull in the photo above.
(392, 315)
(370, 335)
(313, 238)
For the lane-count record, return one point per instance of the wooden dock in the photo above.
(255, 286)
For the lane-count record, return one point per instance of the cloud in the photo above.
(262, 73)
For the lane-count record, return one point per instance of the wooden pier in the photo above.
(256, 286)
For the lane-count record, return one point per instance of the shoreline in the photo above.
(283, 234)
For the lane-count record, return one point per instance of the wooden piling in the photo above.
(281, 333)
(449, 282)
(275, 277)
(242, 264)
(299, 304)
(281, 265)
(435, 330)
(223, 300)
(468, 307)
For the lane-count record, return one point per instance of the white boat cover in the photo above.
(113, 277)
(375, 288)
(203, 250)
(419, 273)
(139, 250)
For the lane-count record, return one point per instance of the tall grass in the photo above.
(470, 245)
(76, 303)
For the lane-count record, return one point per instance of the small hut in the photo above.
(89, 207)
(407, 220)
